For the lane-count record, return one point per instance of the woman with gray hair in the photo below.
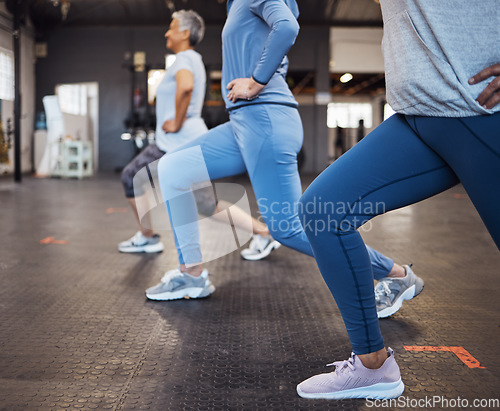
(179, 101)
(190, 20)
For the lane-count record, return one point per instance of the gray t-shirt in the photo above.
(194, 126)
(431, 49)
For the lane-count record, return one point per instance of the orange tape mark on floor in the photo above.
(47, 240)
(460, 352)
(460, 195)
(52, 240)
(116, 210)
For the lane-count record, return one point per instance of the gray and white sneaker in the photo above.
(391, 292)
(175, 285)
(141, 244)
(260, 247)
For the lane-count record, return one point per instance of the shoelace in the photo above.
(136, 238)
(258, 243)
(341, 365)
(382, 288)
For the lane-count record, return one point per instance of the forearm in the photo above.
(284, 30)
(278, 43)
(184, 89)
(182, 100)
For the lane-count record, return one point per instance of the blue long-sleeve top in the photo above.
(255, 40)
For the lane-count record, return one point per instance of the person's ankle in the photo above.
(194, 271)
(397, 271)
(262, 232)
(374, 360)
(148, 233)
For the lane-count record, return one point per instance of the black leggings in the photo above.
(148, 155)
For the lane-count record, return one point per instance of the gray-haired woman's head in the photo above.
(192, 21)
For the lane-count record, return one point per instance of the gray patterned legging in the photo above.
(205, 199)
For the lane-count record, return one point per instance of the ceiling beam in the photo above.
(363, 85)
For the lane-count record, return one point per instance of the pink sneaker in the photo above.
(351, 379)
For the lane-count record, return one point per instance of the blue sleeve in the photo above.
(284, 30)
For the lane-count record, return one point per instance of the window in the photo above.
(72, 98)
(6, 75)
(347, 115)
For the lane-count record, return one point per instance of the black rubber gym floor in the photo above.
(78, 333)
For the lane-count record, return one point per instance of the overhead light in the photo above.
(345, 78)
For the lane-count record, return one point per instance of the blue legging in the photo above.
(262, 139)
(404, 160)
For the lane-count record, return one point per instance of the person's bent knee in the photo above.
(127, 179)
(173, 177)
(306, 210)
(317, 216)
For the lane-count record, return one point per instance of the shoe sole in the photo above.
(186, 293)
(409, 294)
(381, 391)
(153, 248)
(274, 245)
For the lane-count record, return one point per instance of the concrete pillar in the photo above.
(322, 63)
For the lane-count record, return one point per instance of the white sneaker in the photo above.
(391, 292)
(260, 247)
(175, 285)
(141, 244)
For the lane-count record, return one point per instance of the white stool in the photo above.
(74, 159)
